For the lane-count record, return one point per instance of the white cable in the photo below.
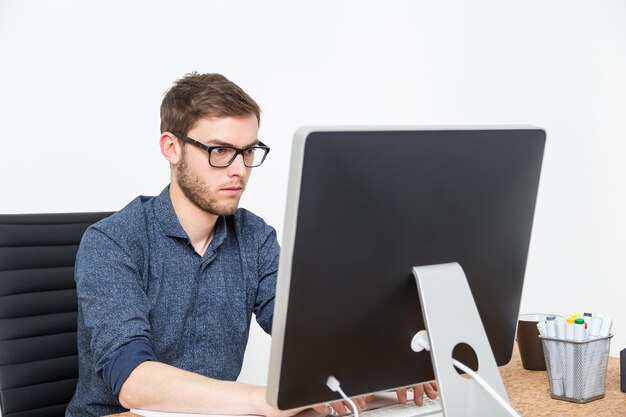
(486, 387)
(333, 384)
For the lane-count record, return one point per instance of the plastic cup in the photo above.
(528, 342)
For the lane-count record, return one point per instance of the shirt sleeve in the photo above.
(114, 307)
(119, 368)
(269, 251)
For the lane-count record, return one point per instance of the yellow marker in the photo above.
(569, 328)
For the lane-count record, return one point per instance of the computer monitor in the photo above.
(366, 205)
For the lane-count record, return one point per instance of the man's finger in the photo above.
(418, 394)
(340, 408)
(322, 409)
(401, 394)
(360, 403)
(431, 390)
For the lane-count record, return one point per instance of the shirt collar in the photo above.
(166, 216)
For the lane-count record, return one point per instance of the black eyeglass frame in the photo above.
(238, 151)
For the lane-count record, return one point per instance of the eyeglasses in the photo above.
(223, 156)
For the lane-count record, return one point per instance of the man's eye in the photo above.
(221, 151)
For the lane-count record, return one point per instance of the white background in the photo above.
(81, 84)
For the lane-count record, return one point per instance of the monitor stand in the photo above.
(451, 318)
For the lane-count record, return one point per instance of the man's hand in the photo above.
(429, 388)
(343, 407)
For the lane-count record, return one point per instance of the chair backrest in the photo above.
(38, 309)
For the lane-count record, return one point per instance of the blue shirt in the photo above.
(145, 294)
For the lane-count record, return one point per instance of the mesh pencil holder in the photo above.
(576, 370)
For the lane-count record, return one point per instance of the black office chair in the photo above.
(38, 352)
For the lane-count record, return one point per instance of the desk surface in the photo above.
(529, 394)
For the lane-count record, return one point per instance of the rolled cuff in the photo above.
(116, 372)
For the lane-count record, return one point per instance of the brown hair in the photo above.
(195, 96)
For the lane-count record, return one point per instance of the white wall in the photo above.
(81, 84)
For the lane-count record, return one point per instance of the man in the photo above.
(168, 285)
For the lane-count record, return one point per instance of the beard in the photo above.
(200, 195)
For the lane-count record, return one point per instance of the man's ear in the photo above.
(170, 148)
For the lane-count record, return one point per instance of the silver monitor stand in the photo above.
(451, 318)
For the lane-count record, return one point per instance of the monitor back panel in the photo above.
(373, 204)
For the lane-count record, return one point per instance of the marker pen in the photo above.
(551, 326)
(560, 328)
(568, 381)
(556, 361)
(605, 330)
(579, 329)
(569, 329)
(597, 350)
(541, 328)
(587, 318)
(578, 367)
(560, 351)
(587, 354)
(596, 325)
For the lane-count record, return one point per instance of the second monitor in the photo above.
(367, 205)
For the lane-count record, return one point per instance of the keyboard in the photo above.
(409, 409)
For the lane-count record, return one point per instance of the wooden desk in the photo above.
(529, 394)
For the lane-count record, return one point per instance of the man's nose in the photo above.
(237, 167)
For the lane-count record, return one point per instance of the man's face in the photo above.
(216, 190)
